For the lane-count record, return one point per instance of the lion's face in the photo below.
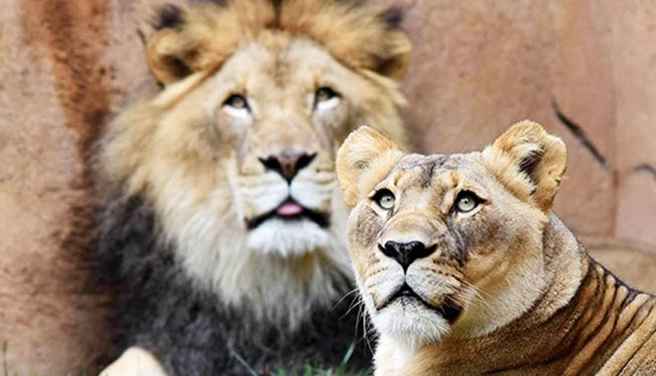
(236, 152)
(283, 106)
(449, 244)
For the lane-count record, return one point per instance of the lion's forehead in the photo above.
(279, 73)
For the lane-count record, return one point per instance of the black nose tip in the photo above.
(406, 253)
(288, 163)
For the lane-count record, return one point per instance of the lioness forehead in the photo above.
(427, 170)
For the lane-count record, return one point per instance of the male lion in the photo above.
(221, 224)
(465, 270)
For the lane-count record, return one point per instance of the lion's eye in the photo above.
(236, 101)
(324, 93)
(466, 201)
(384, 198)
(325, 98)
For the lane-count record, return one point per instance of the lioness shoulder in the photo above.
(465, 270)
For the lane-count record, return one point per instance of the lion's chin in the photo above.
(413, 324)
(289, 238)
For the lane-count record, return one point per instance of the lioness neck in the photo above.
(583, 323)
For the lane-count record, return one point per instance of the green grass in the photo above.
(341, 370)
(309, 370)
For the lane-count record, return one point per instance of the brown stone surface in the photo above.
(637, 205)
(634, 65)
(478, 67)
(49, 322)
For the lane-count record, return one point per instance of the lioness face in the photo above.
(444, 244)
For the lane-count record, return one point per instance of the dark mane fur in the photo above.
(189, 330)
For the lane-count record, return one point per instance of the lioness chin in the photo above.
(220, 225)
(465, 270)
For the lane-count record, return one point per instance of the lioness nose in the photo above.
(406, 253)
(288, 163)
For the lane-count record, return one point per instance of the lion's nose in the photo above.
(406, 253)
(288, 163)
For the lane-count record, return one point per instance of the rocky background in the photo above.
(586, 69)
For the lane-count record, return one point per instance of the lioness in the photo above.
(466, 271)
(221, 225)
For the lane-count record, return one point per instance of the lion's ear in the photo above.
(364, 158)
(393, 55)
(395, 61)
(166, 57)
(529, 162)
(184, 40)
(167, 51)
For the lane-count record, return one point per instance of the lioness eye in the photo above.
(384, 198)
(466, 201)
(236, 101)
(323, 94)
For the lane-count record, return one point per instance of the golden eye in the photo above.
(385, 199)
(323, 94)
(236, 101)
(466, 201)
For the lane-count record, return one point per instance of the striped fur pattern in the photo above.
(606, 328)
(465, 270)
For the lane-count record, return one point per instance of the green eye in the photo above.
(466, 202)
(385, 199)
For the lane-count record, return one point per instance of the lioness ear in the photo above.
(529, 162)
(364, 158)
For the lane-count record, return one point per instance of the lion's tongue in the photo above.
(289, 209)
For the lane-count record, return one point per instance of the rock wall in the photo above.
(585, 69)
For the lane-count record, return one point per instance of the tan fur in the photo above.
(505, 288)
(352, 163)
(199, 163)
(351, 34)
(527, 140)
